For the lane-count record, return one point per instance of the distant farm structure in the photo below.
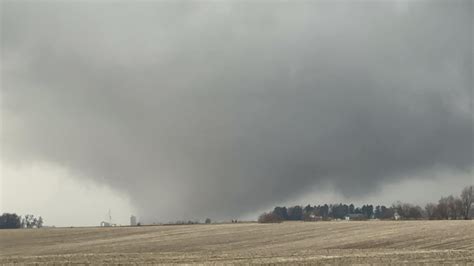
(314, 218)
(106, 224)
(355, 217)
(396, 216)
(109, 222)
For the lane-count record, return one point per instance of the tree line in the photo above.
(459, 207)
(12, 220)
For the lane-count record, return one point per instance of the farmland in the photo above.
(288, 242)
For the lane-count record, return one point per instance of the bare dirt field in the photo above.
(341, 242)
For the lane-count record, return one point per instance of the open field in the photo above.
(289, 242)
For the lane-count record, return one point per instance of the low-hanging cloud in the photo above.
(216, 109)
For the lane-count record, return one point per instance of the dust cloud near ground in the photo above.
(289, 242)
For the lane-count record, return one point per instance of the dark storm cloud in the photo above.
(201, 109)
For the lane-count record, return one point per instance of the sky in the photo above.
(177, 110)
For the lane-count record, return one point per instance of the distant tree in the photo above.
(377, 212)
(357, 210)
(386, 213)
(414, 212)
(458, 208)
(307, 212)
(467, 199)
(408, 211)
(430, 211)
(29, 221)
(339, 211)
(324, 211)
(308, 209)
(25, 221)
(10, 220)
(331, 211)
(281, 213)
(367, 210)
(398, 207)
(295, 213)
(269, 217)
(208, 221)
(449, 207)
(370, 210)
(345, 210)
(443, 208)
(351, 208)
(39, 223)
(454, 205)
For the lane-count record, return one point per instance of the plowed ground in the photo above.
(341, 242)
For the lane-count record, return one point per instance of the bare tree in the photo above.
(40, 222)
(269, 217)
(454, 207)
(467, 198)
(443, 209)
(408, 211)
(30, 221)
(458, 208)
(430, 210)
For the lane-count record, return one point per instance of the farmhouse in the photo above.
(106, 224)
(355, 217)
(313, 217)
(396, 216)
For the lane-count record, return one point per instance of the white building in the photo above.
(105, 224)
(355, 216)
(396, 216)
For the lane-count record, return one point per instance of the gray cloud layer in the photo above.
(222, 108)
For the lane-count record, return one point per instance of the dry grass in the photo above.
(379, 242)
